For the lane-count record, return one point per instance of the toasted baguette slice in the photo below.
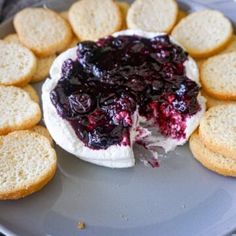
(211, 160)
(27, 163)
(32, 92)
(17, 110)
(64, 14)
(17, 64)
(218, 130)
(43, 64)
(218, 76)
(93, 19)
(181, 15)
(211, 101)
(12, 38)
(43, 68)
(199, 63)
(231, 47)
(124, 7)
(153, 15)
(203, 33)
(42, 30)
(43, 131)
(74, 42)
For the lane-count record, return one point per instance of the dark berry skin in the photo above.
(111, 78)
(81, 103)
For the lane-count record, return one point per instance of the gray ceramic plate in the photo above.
(179, 198)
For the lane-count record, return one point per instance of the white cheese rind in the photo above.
(116, 156)
(169, 144)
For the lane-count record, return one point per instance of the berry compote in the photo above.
(99, 92)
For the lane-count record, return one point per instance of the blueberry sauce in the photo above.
(99, 92)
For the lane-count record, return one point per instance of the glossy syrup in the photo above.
(99, 92)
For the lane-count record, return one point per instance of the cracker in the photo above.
(153, 15)
(93, 19)
(42, 30)
(17, 64)
(211, 160)
(32, 92)
(218, 76)
(211, 101)
(203, 33)
(43, 67)
(27, 164)
(218, 130)
(17, 110)
(124, 7)
(12, 38)
(43, 131)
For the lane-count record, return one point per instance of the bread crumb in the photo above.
(81, 225)
(124, 217)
